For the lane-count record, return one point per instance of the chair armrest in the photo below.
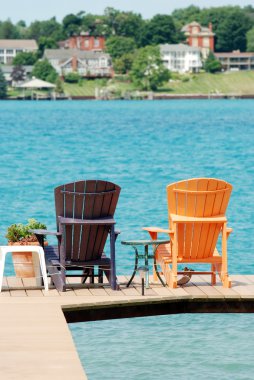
(156, 229)
(45, 232)
(189, 219)
(101, 221)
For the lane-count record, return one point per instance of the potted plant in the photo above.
(18, 234)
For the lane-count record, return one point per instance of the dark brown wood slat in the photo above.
(59, 204)
(87, 214)
(78, 209)
(68, 213)
(108, 209)
(97, 233)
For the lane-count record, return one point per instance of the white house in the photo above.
(181, 58)
(10, 48)
(86, 63)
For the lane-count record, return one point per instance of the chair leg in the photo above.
(2, 262)
(213, 275)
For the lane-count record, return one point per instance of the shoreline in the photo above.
(148, 97)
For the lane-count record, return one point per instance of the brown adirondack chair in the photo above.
(84, 218)
(196, 210)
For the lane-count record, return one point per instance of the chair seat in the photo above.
(164, 254)
(52, 257)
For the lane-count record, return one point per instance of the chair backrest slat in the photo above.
(92, 199)
(198, 197)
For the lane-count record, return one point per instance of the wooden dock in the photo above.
(37, 344)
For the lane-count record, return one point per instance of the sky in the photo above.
(30, 10)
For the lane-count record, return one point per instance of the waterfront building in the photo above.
(8, 69)
(181, 58)
(10, 48)
(84, 42)
(199, 36)
(236, 60)
(85, 63)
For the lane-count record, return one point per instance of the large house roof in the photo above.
(65, 54)
(178, 48)
(204, 31)
(18, 44)
(235, 53)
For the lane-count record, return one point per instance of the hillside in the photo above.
(235, 83)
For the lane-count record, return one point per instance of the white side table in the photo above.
(36, 250)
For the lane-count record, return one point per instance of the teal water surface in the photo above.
(142, 146)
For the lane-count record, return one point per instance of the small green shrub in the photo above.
(72, 78)
(17, 232)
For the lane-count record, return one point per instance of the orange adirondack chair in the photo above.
(196, 210)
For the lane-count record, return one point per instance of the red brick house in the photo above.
(199, 36)
(84, 42)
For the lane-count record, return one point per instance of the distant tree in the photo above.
(72, 23)
(45, 71)
(250, 40)
(123, 64)
(129, 24)
(186, 15)
(110, 15)
(212, 65)
(116, 46)
(46, 43)
(49, 28)
(231, 33)
(25, 58)
(3, 85)
(18, 73)
(8, 30)
(148, 70)
(159, 30)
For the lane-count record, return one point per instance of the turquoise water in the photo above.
(142, 146)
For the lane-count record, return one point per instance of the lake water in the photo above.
(142, 146)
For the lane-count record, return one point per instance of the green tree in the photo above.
(250, 39)
(159, 30)
(186, 15)
(3, 86)
(129, 24)
(48, 28)
(46, 43)
(116, 46)
(123, 64)
(25, 58)
(18, 73)
(212, 65)
(59, 86)
(148, 70)
(8, 30)
(72, 23)
(45, 71)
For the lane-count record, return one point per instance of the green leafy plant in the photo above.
(19, 232)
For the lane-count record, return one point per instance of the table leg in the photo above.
(135, 267)
(146, 264)
(155, 266)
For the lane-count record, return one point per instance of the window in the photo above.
(1, 51)
(194, 42)
(9, 51)
(206, 42)
(96, 42)
(19, 51)
(86, 42)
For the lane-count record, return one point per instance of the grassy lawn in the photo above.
(235, 83)
(87, 87)
(238, 83)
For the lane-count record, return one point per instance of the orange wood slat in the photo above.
(190, 211)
